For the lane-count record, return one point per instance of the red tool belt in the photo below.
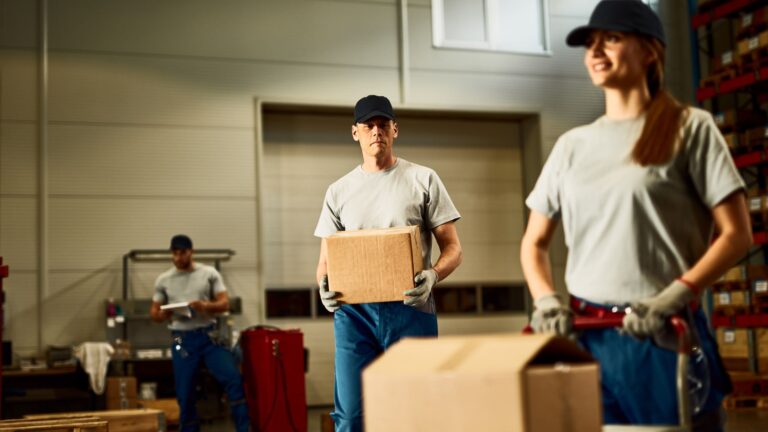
(583, 308)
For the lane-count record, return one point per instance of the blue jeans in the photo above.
(189, 349)
(638, 378)
(363, 332)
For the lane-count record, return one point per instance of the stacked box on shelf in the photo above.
(759, 291)
(757, 202)
(734, 61)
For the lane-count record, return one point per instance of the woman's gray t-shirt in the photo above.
(631, 230)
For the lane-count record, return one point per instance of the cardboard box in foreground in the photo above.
(531, 383)
(377, 265)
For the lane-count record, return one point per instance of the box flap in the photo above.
(474, 354)
(433, 383)
(374, 231)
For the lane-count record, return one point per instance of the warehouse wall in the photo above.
(152, 132)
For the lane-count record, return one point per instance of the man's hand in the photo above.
(551, 316)
(648, 317)
(200, 307)
(327, 297)
(425, 281)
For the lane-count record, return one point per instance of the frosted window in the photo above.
(519, 26)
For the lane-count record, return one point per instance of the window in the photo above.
(519, 26)
(459, 299)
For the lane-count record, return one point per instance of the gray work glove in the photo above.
(551, 316)
(425, 281)
(327, 297)
(649, 317)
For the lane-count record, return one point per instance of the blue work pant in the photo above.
(363, 332)
(638, 378)
(189, 349)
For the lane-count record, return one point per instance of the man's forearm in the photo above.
(217, 306)
(450, 259)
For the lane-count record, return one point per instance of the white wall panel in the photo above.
(498, 262)
(18, 232)
(18, 158)
(463, 325)
(194, 92)
(161, 161)
(18, 73)
(287, 31)
(573, 8)
(88, 233)
(18, 23)
(563, 103)
(20, 309)
(74, 307)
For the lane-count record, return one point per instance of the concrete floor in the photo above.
(738, 421)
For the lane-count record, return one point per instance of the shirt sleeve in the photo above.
(217, 282)
(545, 196)
(329, 222)
(440, 208)
(160, 295)
(710, 164)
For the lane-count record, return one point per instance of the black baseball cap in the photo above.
(372, 106)
(630, 16)
(180, 241)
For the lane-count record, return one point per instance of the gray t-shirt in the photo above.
(403, 195)
(631, 230)
(174, 286)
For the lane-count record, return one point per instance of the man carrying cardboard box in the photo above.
(384, 191)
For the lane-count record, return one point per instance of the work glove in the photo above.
(551, 316)
(649, 317)
(425, 281)
(327, 297)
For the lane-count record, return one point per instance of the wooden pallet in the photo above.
(745, 402)
(132, 420)
(78, 424)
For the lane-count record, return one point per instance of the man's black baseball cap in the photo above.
(630, 16)
(372, 106)
(180, 241)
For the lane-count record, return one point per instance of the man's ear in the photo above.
(395, 129)
(354, 133)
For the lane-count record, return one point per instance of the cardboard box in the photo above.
(733, 342)
(121, 388)
(511, 382)
(377, 265)
(730, 298)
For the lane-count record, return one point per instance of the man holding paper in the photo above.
(189, 295)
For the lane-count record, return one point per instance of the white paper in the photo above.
(181, 308)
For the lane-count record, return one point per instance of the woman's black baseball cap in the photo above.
(630, 16)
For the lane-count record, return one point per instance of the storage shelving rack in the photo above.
(730, 55)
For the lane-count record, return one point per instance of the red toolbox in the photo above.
(273, 377)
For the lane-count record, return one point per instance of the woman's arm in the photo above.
(732, 244)
(534, 254)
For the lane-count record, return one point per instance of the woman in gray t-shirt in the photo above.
(639, 192)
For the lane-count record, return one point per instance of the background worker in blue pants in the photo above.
(639, 192)
(384, 191)
(202, 286)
